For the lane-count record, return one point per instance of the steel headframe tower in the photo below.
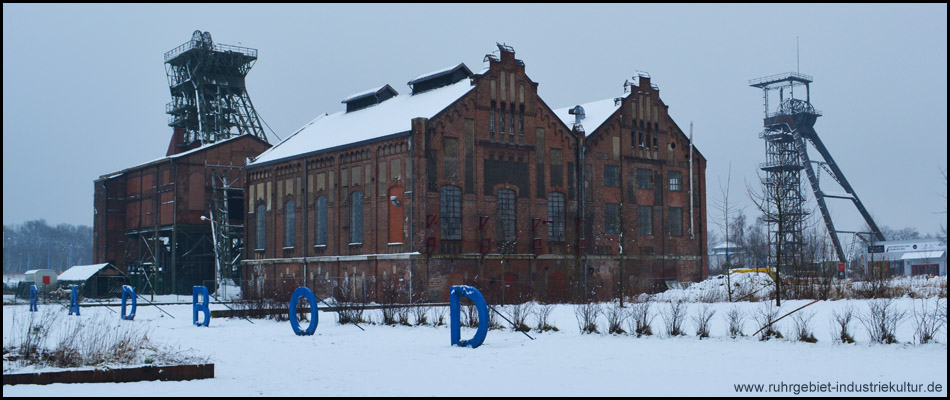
(209, 96)
(786, 132)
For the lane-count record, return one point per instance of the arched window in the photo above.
(321, 223)
(506, 215)
(451, 212)
(289, 223)
(556, 216)
(356, 217)
(259, 245)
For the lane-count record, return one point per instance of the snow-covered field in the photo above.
(266, 358)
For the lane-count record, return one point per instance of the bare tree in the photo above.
(724, 209)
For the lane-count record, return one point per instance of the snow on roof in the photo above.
(367, 93)
(439, 72)
(81, 272)
(596, 113)
(341, 128)
(920, 255)
(182, 154)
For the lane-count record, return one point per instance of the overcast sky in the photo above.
(84, 86)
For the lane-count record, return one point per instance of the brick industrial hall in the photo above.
(459, 177)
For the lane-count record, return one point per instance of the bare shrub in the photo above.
(494, 321)
(470, 314)
(929, 320)
(438, 316)
(616, 317)
(586, 315)
(803, 330)
(543, 313)
(765, 317)
(882, 319)
(673, 317)
(420, 314)
(640, 318)
(33, 333)
(402, 315)
(389, 298)
(351, 303)
(519, 313)
(701, 320)
(841, 322)
(735, 319)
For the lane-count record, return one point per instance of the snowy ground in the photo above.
(266, 358)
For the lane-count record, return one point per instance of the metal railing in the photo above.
(191, 44)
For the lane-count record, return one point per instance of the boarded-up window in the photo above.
(450, 169)
(395, 169)
(557, 170)
(357, 171)
(382, 177)
(541, 189)
(321, 181)
(469, 156)
(450, 204)
(556, 217)
(250, 198)
(616, 148)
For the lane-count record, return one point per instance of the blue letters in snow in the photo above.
(455, 292)
(34, 295)
(128, 291)
(203, 307)
(74, 301)
(312, 301)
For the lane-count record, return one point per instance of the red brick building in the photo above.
(472, 178)
(147, 218)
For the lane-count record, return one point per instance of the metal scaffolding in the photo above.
(786, 132)
(209, 97)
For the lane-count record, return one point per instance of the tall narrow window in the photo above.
(501, 125)
(321, 225)
(611, 176)
(451, 212)
(356, 217)
(676, 181)
(259, 245)
(511, 125)
(289, 223)
(556, 216)
(612, 218)
(506, 215)
(644, 178)
(656, 142)
(645, 220)
(676, 221)
(450, 166)
(521, 120)
(491, 121)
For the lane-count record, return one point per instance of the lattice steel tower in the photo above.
(786, 153)
(209, 96)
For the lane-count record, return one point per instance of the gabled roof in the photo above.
(394, 116)
(182, 154)
(81, 273)
(596, 113)
(441, 72)
(370, 92)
